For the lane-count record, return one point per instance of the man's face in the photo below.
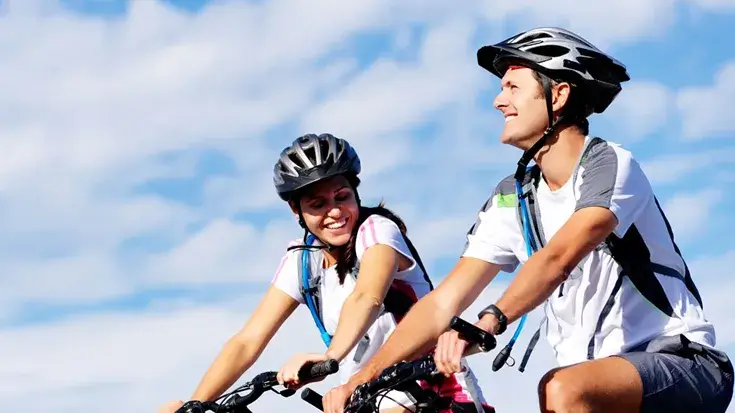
(521, 100)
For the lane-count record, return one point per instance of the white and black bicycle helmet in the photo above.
(563, 56)
(559, 55)
(311, 158)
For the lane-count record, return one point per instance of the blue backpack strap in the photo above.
(527, 215)
(310, 292)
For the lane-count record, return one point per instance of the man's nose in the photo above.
(501, 101)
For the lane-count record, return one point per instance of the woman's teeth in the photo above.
(338, 224)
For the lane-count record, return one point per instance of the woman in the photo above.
(318, 177)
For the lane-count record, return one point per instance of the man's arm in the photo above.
(551, 265)
(430, 316)
(613, 194)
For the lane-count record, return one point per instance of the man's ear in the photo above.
(560, 96)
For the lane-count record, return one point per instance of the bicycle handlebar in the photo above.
(263, 382)
(408, 372)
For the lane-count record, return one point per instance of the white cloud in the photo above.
(707, 110)
(643, 19)
(645, 108)
(95, 109)
(689, 215)
(224, 251)
(672, 168)
(132, 361)
(90, 275)
(100, 107)
(392, 96)
(715, 5)
(710, 272)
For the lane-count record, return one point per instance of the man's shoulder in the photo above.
(605, 159)
(502, 199)
(600, 149)
(503, 196)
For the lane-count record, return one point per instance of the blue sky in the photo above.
(135, 190)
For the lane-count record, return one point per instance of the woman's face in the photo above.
(330, 210)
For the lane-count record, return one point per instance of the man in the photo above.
(623, 315)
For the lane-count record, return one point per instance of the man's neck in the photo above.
(558, 159)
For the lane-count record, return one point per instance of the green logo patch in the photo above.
(506, 201)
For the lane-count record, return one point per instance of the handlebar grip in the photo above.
(319, 369)
(473, 334)
(313, 398)
(192, 406)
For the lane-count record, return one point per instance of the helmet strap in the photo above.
(533, 150)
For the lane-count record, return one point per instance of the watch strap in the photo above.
(502, 319)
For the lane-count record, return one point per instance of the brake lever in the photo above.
(286, 392)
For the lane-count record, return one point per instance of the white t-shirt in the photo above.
(375, 230)
(412, 282)
(597, 313)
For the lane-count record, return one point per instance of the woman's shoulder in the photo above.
(376, 221)
(378, 229)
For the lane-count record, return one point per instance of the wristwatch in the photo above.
(502, 319)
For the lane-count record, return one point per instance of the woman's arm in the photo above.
(378, 266)
(244, 348)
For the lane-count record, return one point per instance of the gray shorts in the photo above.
(681, 377)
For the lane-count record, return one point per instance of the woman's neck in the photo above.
(330, 257)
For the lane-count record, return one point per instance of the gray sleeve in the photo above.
(489, 238)
(599, 173)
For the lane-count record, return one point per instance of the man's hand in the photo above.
(288, 375)
(336, 399)
(450, 348)
(448, 354)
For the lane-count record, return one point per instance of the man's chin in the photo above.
(510, 140)
(520, 142)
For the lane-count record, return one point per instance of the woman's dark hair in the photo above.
(347, 257)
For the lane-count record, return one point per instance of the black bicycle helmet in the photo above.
(310, 159)
(560, 55)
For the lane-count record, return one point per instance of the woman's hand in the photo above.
(171, 407)
(334, 400)
(288, 375)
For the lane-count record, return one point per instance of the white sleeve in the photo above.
(286, 277)
(488, 237)
(378, 229)
(612, 179)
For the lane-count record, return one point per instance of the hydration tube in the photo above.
(305, 275)
(504, 354)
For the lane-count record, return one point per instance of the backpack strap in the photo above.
(417, 257)
(310, 289)
(529, 218)
(396, 302)
(640, 272)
